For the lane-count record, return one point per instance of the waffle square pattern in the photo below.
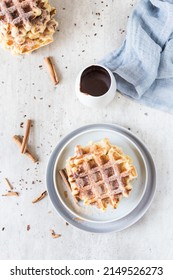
(100, 174)
(26, 25)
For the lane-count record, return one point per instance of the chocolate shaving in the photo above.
(21, 124)
(28, 227)
(43, 195)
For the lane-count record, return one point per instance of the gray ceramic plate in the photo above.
(130, 210)
(90, 213)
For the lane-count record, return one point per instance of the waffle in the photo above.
(100, 174)
(26, 25)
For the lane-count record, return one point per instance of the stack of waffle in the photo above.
(100, 174)
(26, 25)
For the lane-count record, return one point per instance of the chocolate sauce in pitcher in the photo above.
(95, 81)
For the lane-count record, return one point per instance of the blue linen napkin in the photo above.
(143, 65)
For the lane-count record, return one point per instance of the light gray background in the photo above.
(88, 30)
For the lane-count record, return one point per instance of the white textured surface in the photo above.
(88, 31)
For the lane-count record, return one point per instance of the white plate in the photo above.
(131, 209)
(92, 213)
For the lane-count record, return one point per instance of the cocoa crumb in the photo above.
(28, 227)
(21, 124)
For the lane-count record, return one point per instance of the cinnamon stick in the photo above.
(11, 194)
(26, 137)
(52, 70)
(64, 177)
(40, 197)
(8, 184)
(18, 140)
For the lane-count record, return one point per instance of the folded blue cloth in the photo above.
(143, 65)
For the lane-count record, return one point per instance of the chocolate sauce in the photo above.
(95, 81)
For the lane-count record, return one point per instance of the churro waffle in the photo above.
(100, 174)
(26, 25)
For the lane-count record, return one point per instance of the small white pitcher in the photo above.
(99, 101)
